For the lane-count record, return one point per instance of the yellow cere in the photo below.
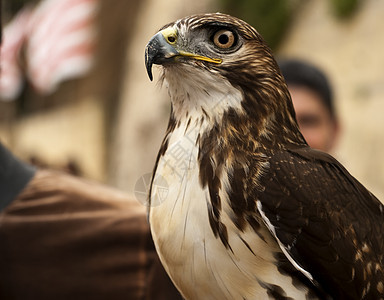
(170, 35)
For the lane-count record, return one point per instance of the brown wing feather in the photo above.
(327, 221)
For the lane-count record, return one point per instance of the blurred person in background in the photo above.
(312, 99)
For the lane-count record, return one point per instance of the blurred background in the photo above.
(74, 94)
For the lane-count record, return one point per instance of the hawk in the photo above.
(251, 211)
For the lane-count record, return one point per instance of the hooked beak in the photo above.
(161, 49)
(158, 51)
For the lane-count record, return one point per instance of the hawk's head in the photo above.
(215, 63)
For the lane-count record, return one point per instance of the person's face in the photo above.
(315, 121)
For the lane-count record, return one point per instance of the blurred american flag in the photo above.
(53, 42)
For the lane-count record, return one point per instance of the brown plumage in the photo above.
(252, 211)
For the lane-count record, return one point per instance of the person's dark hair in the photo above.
(300, 73)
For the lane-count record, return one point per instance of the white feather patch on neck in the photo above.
(197, 91)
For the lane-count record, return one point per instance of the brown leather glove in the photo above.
(67, 238)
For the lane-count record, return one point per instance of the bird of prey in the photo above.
(251, 211)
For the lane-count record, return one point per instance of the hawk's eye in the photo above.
(224, 39)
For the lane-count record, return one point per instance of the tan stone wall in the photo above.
(352, 53)
(69, 133)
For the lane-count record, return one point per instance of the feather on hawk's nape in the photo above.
(252, 212)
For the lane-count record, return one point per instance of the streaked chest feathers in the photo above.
(196, 227)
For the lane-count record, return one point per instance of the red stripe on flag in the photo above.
(59, 39)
